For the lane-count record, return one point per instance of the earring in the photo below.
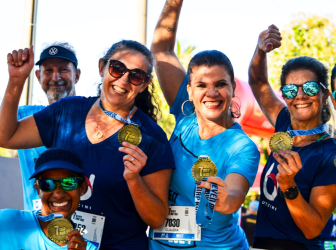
(183, 111)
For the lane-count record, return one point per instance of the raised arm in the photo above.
(168, 68)
(16, 134)
(258, 78)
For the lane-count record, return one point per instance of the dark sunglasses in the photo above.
(309, 88)
(67, 183)
(136, 76)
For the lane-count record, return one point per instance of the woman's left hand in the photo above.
(223, 192)
(289, 165)
(76, 241)
(134, 160)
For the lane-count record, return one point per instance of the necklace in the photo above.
(99, 134)
(317, 140)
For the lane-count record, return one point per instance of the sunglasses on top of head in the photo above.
(310, 88)
(67, 183)
(136, 76)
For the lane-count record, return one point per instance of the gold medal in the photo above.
(202, 168)
(58, 230)
(130, 134)
(281, 141)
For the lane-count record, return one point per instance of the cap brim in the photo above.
(57, 164)
(63, 57)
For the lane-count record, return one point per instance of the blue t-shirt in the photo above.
(62, 124)
(27, 163)
(274, 219)
(232, 151)
(21, 230)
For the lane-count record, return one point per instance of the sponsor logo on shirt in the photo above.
(269, 176)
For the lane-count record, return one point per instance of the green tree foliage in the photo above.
(312, 36)
(166, 120)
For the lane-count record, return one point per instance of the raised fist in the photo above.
(269, 39)
(20, 63)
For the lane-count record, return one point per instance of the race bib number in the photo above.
(180, 224)
(90, 226)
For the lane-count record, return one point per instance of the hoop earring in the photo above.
(183, 111)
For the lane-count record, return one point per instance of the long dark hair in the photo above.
(211, 58)
(314, 66)
(144, 100)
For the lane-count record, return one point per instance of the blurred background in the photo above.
(232, 27)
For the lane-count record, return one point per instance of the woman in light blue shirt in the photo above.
(202, 102)
(59, 182)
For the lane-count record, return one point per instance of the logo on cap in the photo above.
(53, 51)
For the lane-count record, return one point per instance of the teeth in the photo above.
(302, 105)
(119, 90)
(212, 104)
(55, 204)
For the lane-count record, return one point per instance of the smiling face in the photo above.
(304, 108)
(211, 91)
(119, 92)
(59, 200)
(57, 77)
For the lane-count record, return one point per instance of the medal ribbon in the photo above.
(313, 131)
(49, 217)
(116, 116)
(204, 202)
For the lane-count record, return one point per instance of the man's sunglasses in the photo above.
(309, 88)
(67, 183)
(136, 76)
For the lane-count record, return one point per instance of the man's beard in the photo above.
(56, 95)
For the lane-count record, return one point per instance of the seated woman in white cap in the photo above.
(59, 182)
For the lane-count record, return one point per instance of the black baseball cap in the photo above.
(58, 158)
(58, 52)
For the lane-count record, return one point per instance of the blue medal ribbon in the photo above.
(49, 217)
(116, 116)
(313, 131)
(205, 201)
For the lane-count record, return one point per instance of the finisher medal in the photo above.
(58, 230)
(130, 134)
(281, 141)
(202, 168)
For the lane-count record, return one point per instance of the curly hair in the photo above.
(144, 100)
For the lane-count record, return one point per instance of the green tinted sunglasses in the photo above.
(67, 183)
(309, 88)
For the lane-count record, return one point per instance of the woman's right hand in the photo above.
(20, 63)
(269, 39)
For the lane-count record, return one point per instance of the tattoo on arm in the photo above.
(172, 29)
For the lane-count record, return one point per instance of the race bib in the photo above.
(90, 226)
(180, 224)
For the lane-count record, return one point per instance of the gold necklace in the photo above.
(99, 134)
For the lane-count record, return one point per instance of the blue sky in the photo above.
(93, 26)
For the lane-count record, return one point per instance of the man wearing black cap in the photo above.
(58, 73)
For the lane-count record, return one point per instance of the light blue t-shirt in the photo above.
(232, 152)
(27, 163)
(20, 230)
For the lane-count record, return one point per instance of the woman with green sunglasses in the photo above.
(298, 184)
(59, 182)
